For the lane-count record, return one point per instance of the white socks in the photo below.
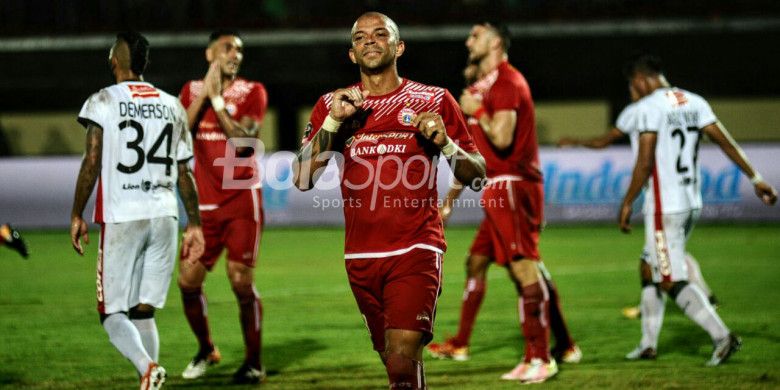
(695, 305)
(652, 305)
(147, 327)
(126, 338)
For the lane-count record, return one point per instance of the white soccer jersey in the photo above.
(144, 136)
(626, 123)
(677, 116)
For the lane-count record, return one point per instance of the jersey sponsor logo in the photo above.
(676, 98)
(421, 95)
(143, 91)
(406, 115)
(210, 136)
(147, 185)
(377, 150)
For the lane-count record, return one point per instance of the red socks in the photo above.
(473, 295)
(535, 320)
(197, 315)
(404, 373)
(251, 315)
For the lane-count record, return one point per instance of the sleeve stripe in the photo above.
(86, 122)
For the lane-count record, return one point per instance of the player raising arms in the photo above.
(390, 131)
(225, 113)
(669, 124)
(137, 150)
(488, 43)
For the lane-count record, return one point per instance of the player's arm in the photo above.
(314, 155)
(718, 134)
(88, 174)
(599, 142)
(499, 128)
(193, 242)
(467, 167)
(449, 201)
(645, 161)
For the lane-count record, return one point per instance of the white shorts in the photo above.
(135, 263)
(665, 238)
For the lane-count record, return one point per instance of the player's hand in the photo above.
(766, 193)
(346, 102)
(469, 103)
(78, 229)
(213, 80)
(192, 244)
(566, 142)
(445, 211)
(431, 126)
(624, 219)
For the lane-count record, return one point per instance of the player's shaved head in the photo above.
(131, 51)
(389, 23)
(643, 63)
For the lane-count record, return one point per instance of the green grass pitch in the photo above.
(314, 337)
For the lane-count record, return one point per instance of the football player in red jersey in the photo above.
(390, 131)
(225, 113)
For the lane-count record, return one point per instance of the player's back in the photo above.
(676, 116)
(144, 134)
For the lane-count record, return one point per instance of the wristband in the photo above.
(330, 125)
(479, 113)
(757, 178)
(449, 149)
(218, 103)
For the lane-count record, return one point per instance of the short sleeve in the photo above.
(503, 95)
(648, 118)
(185, 97)
(257, 103)
(184, 146)
(455, 123)
(315, 120)
(706, 116)
(626, 121)
(95, 110)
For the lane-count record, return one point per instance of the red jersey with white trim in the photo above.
(677, 117)
(389, 171)
(505, 88)
(144, 136)
(242, 98)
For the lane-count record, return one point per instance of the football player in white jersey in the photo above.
(670, 122)
(625, 126)
(137, 150)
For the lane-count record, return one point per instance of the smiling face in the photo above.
(228, 51)
(375, 43)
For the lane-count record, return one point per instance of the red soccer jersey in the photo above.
(506, 89)
(389, 172)
(242, 98)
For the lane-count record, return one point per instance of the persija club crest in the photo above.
(406, 115)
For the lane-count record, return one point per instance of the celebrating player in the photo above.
(11, 238)
(669, 124)
(625, 126)
(137, 150)
(390, 131)
(225, 113)
(489, 43)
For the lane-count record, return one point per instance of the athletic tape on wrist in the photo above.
(330, 125)
(218, 103)
(757, 178)
(449, 149)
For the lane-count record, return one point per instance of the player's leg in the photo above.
(652, 305)
(695, 276)
(565, 350)
(121, 244)
(194, 302)
(242, 242)
(688, 296)
(410, 293)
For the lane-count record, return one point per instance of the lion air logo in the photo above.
(406, 115)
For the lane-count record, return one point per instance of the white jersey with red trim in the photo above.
(144, 136)
(626, 122)
(677, 117)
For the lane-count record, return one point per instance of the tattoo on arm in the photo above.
(307, 163)
(188, 192)
(90, 168)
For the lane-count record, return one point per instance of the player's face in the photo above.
(374, 46)
(228, 51)
(638, 86)
(478, 43)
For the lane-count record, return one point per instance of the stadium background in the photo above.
(53, 55)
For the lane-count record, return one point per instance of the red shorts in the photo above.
(397, 292)
(512, 223)
(235, 225)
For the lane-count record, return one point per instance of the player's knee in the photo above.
(244, 291)
(104, 316)
(476, 266)
(674, 288)
(645, 273)
(141, 311)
